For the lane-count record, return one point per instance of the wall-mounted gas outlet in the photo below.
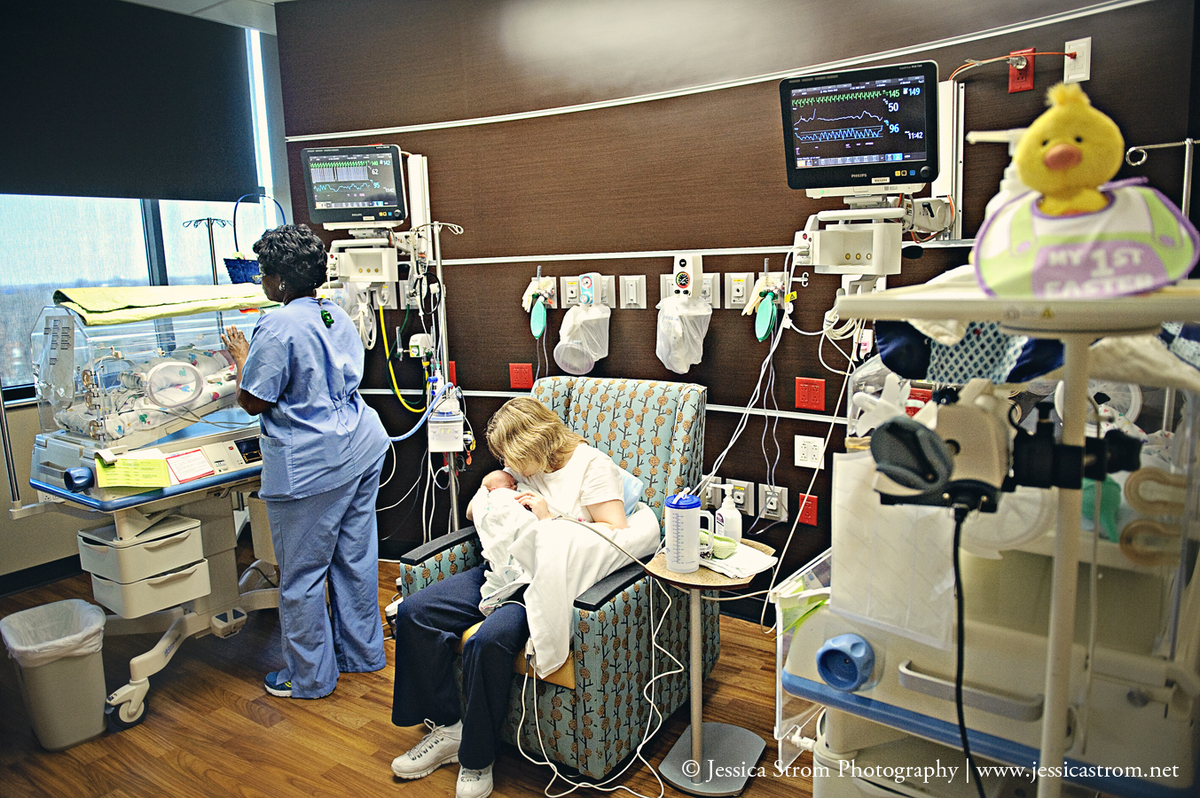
(737, 289)
(572, 289)
(633, 291)
(709, 288)
(743, 495)
(408, 294)
(810, 451)
(1079, 68)
(773, 500)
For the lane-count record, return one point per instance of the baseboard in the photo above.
(38, 575)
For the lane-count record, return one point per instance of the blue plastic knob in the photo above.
(78, 479)
(845, 662)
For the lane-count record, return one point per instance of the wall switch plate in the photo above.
(773, 501)
(1021, 79)
(709, 288)
(633, 291)
(810, 451)
(737, 289)
(1079, 68)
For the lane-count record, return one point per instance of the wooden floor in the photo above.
(211, 730)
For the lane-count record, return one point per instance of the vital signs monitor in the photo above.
(862, 128)
(354, 184)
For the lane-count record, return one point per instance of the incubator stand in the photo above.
(160, 391)
(1032, 693)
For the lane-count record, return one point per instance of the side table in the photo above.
(733, 752)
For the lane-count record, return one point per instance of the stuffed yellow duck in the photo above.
(1068, 152)
(1075, 235)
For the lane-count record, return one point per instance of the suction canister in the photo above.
(682, 521)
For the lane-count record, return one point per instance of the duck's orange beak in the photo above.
(1062, 156)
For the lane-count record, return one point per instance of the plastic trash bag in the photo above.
(583, 338)
(41, 635)
(682, 325)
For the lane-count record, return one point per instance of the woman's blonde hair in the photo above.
(527, 436)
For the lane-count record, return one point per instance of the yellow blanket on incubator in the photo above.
(100, 305)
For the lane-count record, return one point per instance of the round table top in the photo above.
(702, 578)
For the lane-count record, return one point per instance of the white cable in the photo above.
(782, 553)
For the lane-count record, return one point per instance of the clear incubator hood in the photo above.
(132, 383)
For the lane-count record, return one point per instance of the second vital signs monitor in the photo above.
(861, 128)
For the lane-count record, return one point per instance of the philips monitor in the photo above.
(354, 185)
(856, 131)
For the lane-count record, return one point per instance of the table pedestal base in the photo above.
(730, 756)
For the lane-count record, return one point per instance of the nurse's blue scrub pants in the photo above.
(330, 534)
(429, 624)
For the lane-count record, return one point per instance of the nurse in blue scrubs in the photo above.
(323, 450)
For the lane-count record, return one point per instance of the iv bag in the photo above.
(583, 338)
(682, 325)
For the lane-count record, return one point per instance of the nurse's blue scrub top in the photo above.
(319, 433)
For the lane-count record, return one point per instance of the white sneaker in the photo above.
(474, 783)
(436, 748)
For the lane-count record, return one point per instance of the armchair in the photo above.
(592, 717)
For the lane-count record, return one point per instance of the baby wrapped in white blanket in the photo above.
(556, 560)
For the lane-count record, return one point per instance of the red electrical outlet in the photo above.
(520, 376)
(451, 373)
(808, 509)
(916, 395)
(1021, 79)
(810, 393)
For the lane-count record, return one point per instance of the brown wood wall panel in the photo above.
(410, 62)
(694, 172)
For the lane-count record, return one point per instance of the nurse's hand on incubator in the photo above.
(235, 342)
(239, 349)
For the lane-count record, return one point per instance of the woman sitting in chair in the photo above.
(570, 479)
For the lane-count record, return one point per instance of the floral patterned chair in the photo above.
(592, 714)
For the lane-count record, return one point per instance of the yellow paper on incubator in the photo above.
(145, 469)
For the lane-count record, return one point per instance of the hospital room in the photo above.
(450, 398)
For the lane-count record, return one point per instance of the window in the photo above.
(47, 243)
(53, 242)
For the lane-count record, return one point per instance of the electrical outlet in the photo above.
(807, 508)
(1021, 78)
(773, 501)
(810, 451)
(810, 393)
(1079, 68)
(520, 376)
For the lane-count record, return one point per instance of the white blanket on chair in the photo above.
(556, 559)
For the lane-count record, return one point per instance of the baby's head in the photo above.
(499, 479)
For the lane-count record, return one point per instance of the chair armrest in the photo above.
(426, 550)
(598, 594)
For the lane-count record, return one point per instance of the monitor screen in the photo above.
(862, 128)
(354, 184)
